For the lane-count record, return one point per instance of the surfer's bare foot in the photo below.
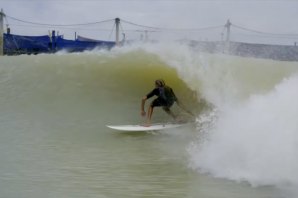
(146, 125)
(179, 120)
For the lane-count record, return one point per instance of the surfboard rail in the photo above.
(139, 127)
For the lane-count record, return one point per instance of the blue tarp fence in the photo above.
(17, 44)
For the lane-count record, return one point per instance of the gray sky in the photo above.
(267, 16)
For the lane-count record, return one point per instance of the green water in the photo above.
(54, 142)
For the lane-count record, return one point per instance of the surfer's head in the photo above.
(159, 83)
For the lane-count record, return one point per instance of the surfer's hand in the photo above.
(143, 113)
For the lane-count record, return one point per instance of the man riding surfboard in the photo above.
(165, 99)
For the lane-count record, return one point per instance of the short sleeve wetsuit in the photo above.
(165, 97)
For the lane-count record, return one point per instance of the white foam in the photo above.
(254, 141)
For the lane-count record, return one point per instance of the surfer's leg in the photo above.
(155, 103)
(150, 112)
(168, 111)
(149, 115)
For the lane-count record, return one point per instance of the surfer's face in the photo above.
(159, 83)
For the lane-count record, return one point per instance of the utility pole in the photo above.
(117, 21)
(227, 44)
(1, 31)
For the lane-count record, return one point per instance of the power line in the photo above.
(58, 25)
(173, 29)
(67, 28)
(267, 33)
(131, 23)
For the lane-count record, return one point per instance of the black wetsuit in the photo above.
(165, 97)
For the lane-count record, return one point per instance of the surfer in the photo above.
(165, 99)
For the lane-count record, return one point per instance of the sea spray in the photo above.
(254, 141)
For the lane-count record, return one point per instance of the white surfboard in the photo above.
(152, 127)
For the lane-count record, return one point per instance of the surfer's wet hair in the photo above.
(160, 83)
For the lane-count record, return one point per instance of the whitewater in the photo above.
(55, 107)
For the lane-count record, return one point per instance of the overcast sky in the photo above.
(268, 16)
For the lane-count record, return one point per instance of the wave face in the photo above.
(246, 108)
